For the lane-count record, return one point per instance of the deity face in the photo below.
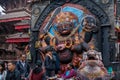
(89, 23)
(65, 22)
(65, 29)
(92, 55)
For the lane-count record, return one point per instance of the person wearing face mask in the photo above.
(70, 73)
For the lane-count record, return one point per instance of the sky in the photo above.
(1, 9)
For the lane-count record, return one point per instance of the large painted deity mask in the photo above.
(67, 18)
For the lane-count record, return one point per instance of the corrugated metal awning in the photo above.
(15, 16)
(17, 38)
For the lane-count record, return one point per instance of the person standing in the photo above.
(70, 73)
(23, 67)
(50, 62)
(2, 71)
(37, 73)
(12, 73)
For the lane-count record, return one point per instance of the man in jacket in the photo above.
(23, 67)
(12, 73)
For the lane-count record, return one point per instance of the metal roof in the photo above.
(14, 15)
(18, 35)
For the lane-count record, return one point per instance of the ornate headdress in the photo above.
(65, 17)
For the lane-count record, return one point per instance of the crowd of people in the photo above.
(15, 70)
(21, 70)
(49, 69)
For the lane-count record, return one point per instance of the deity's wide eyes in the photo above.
(65, 25)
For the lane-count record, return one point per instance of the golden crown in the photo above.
(63, 17)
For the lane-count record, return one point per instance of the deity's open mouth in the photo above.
(64, 31)
(65, 55)
(88, 27)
